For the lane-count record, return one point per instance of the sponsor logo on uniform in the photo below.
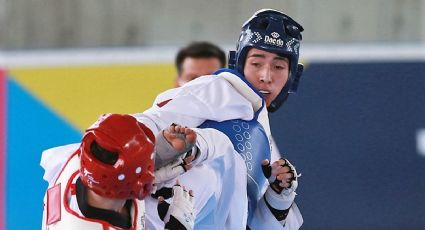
(142, 220)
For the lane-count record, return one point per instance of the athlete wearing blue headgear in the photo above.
(271, 31)
(240, 189)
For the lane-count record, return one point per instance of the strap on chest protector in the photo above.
(250, 141)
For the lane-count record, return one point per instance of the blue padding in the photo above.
(250, 141)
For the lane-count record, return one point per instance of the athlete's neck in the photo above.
(97, 201)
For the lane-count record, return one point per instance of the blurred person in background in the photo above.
(198, 59)
(264, 71)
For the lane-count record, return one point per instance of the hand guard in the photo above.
(165, 153)
(278, 197)
(170, 171)
(181, 208)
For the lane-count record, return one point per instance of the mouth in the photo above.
(265, 92)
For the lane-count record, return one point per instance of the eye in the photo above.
(280, 67)
(281, 64)
(256, 64)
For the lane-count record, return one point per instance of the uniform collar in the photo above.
(109, 216)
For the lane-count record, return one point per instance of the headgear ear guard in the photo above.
(117, 157)
(272, 31)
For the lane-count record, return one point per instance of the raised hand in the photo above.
(281, 175)
(280, 195)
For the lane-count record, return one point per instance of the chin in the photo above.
(268, 100)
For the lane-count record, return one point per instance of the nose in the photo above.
(265, 75)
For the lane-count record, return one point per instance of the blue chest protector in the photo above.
(250, 141)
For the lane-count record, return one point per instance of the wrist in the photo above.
(280, 201)
(280, 215)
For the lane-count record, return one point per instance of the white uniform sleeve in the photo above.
(205, 98)
(220, 197)
(211, 144)
(212, 175)
(263, 219)
(52, 160)
(275, 154)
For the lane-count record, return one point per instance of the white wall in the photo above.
(94, 23)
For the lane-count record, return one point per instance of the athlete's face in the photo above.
(195, 67)
(267, 72)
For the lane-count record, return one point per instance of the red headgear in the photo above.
(128, 147)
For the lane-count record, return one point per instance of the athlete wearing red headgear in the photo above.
(127, 171)
(105, 178)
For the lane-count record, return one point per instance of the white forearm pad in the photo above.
(280, 201)
(170, 171)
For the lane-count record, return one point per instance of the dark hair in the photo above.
(200, 50)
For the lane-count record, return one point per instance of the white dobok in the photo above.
(220, 182)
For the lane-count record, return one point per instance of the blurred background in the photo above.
(355, 129)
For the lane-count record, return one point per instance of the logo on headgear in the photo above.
(290, 43)
(258, 37)
(90, 179)
(273, 40)
(275, 35)
(248, 36)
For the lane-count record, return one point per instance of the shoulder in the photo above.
(242, 86)
(194, 86)
(52, 160)
(198, 89)
(204, 82)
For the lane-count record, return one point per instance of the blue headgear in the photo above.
(271, 31)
